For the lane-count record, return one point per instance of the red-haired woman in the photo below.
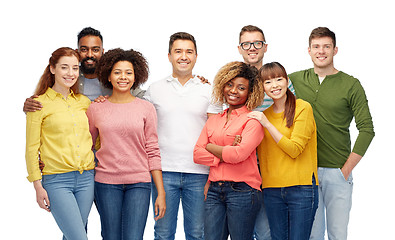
(59, 136)
(288, 158)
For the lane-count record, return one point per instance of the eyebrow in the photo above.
(89, 47)
(187, 49)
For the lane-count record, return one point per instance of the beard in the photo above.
(88, 69)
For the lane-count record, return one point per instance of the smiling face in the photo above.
(236, 92)
(182, 57)
(276, 88)
(252, 56)
(66, 72)
(322, 51)
(122, 76)
(90, 49)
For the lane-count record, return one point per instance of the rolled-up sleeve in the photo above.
(33, 138)
(200, 154)
(251, 137)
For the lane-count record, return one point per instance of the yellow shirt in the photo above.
(59, 135)
(293, 160)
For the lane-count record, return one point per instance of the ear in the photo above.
(52, 69)
(265, 46)
(239, 48)
(335, 51)
(168, 56)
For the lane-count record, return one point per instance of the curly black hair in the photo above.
(110, 58)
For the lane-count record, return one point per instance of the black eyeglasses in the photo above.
(247, 45)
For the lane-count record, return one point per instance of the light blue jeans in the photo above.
(335, 197)
(189, 188)
(71, 197)
(262, 229)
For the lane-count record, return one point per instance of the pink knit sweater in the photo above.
(129, 141)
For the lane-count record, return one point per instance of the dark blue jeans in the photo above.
(291, 211)
(231, 208)
(123, 209)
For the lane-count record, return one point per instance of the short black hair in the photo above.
(88, 31)
(181, 36)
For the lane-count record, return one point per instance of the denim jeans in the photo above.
(189, 188)
(123, 209)
(262, 229)
(291, 211)
(231, 208)
(335, 198)
(71, 197)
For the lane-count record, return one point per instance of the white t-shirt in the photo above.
(182, 113)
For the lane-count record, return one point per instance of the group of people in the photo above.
(272, 165)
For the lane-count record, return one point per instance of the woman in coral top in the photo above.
(58, 134)
(288, 158)
(129, 152)
(233, 195)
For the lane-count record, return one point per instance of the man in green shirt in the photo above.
(336, 98)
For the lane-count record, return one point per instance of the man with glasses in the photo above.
(252, 47)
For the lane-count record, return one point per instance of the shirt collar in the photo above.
(52, 94)
(194, 79)
(238, 111)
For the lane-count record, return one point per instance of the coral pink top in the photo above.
(240, 162)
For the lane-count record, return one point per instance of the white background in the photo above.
(32, 30)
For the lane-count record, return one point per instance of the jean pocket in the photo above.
(304, 187)
(349, 180)
(49, 178)
(240, 187)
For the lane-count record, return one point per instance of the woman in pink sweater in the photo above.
(129, 153)
(233, 198)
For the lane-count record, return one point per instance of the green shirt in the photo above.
(335, 102)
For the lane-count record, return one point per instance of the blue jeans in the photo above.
(123, 209)
(262, 229)
(189, 188)
(335, 198)
(291, 211)
(231, 208)
(71, 197)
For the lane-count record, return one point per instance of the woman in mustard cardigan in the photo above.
(288, 158)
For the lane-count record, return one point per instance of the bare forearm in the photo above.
(216, 150)
(349, 165)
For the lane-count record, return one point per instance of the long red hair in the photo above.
(48, 79)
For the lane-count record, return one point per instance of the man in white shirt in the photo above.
(182, 103)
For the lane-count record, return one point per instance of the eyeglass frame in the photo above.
(252, 43)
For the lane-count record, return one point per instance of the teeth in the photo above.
(276, 91)
(232, 97)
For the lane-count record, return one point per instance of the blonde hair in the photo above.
(239, 69)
